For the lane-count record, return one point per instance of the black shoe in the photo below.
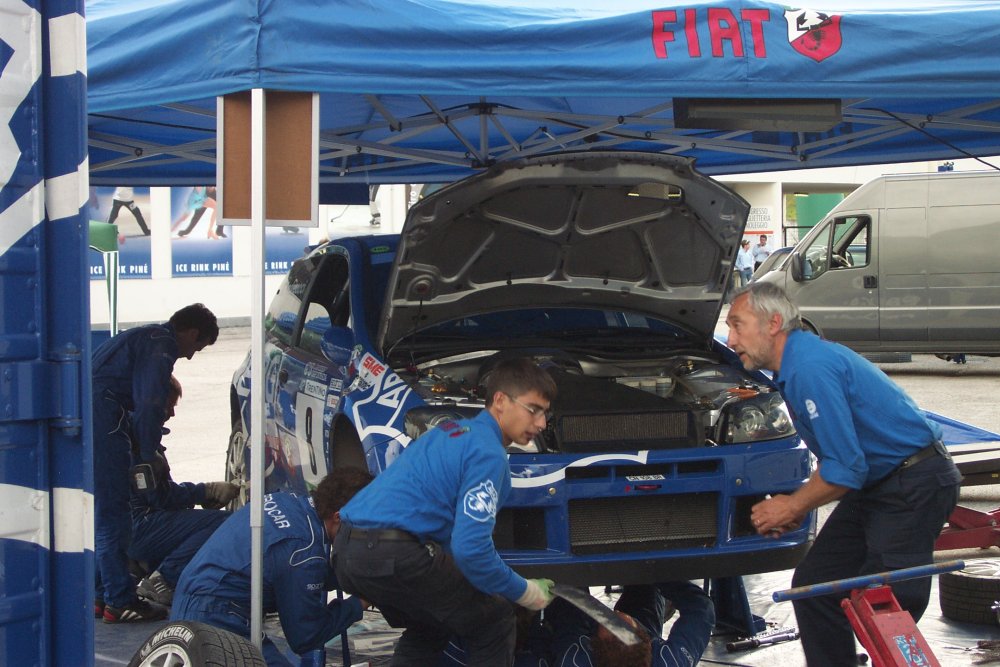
(139, 611)
(156, 589)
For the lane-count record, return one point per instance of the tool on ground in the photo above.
(773, 636)
(884, 629)
(597, 611)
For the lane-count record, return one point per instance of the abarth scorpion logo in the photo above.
(813, 34)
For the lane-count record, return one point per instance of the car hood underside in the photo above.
(633, 232)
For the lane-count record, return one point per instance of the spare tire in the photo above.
(967, 595)
(190, 644)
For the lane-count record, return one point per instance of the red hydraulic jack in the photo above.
(969, 529)
(884, 629)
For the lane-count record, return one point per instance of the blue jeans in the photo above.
(888, 526)
(169, 539)
(112, 529)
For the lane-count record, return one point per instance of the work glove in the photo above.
(537, 595)
(219, 494)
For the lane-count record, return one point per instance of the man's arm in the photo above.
(482, 491)
(692, 630)
(782, 513)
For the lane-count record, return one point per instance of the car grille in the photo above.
(643, 523)
(635, 430)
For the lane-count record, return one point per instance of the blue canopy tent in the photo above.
(431, 90)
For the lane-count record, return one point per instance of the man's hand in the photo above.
(775, 516)
(537, 595)
(219, 494)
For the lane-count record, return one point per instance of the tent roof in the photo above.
(431, 90)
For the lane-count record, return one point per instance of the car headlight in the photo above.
(420, 420)
(762, 417)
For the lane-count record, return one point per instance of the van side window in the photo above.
(851, 242)
(842, 243)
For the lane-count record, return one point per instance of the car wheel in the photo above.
(236, 465)
(968, 595)
(189, 644)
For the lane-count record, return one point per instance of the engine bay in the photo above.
(681, 400)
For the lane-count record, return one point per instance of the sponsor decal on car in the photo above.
(314, 389)
(315, 371)
(644, 478)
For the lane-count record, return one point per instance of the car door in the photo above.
(310, 385)
(838, 292)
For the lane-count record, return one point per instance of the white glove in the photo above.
(219, 494)
(536, 596)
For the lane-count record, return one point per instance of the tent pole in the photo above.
(257, 442)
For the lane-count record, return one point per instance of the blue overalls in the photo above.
(215, 586)
(131, 380)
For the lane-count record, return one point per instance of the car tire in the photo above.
(967, 595)
(190, 644)
(236, 465)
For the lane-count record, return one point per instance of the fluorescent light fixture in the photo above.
(776, 115)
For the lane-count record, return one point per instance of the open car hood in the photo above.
(625, 231)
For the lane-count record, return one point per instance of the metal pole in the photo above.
(257, 444)
(842, 585)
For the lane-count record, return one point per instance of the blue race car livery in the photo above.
(608, 269)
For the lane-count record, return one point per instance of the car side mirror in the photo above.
(337, 344)
(796, 267)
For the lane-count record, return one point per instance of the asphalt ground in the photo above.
(200, 431)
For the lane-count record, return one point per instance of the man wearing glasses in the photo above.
(418, 541)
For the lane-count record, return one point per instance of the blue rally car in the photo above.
(609, 269)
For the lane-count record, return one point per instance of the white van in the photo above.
(905, 263)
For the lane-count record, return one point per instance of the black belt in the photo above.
(386, 534)
(930, 450)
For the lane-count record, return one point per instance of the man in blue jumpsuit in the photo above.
(166, 529)
(418, 541)
(878, 455)
(568, 638)
(215, 586)
(131, 380)
(645, 608)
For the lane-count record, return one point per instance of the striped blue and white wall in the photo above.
(46, 477)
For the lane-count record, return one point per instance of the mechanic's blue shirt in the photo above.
(857, 422)
(133, 369)
(447, 486)
(297, 571)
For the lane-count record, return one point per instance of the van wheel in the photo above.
(236, 465)
(967, 595)
(189, 644)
